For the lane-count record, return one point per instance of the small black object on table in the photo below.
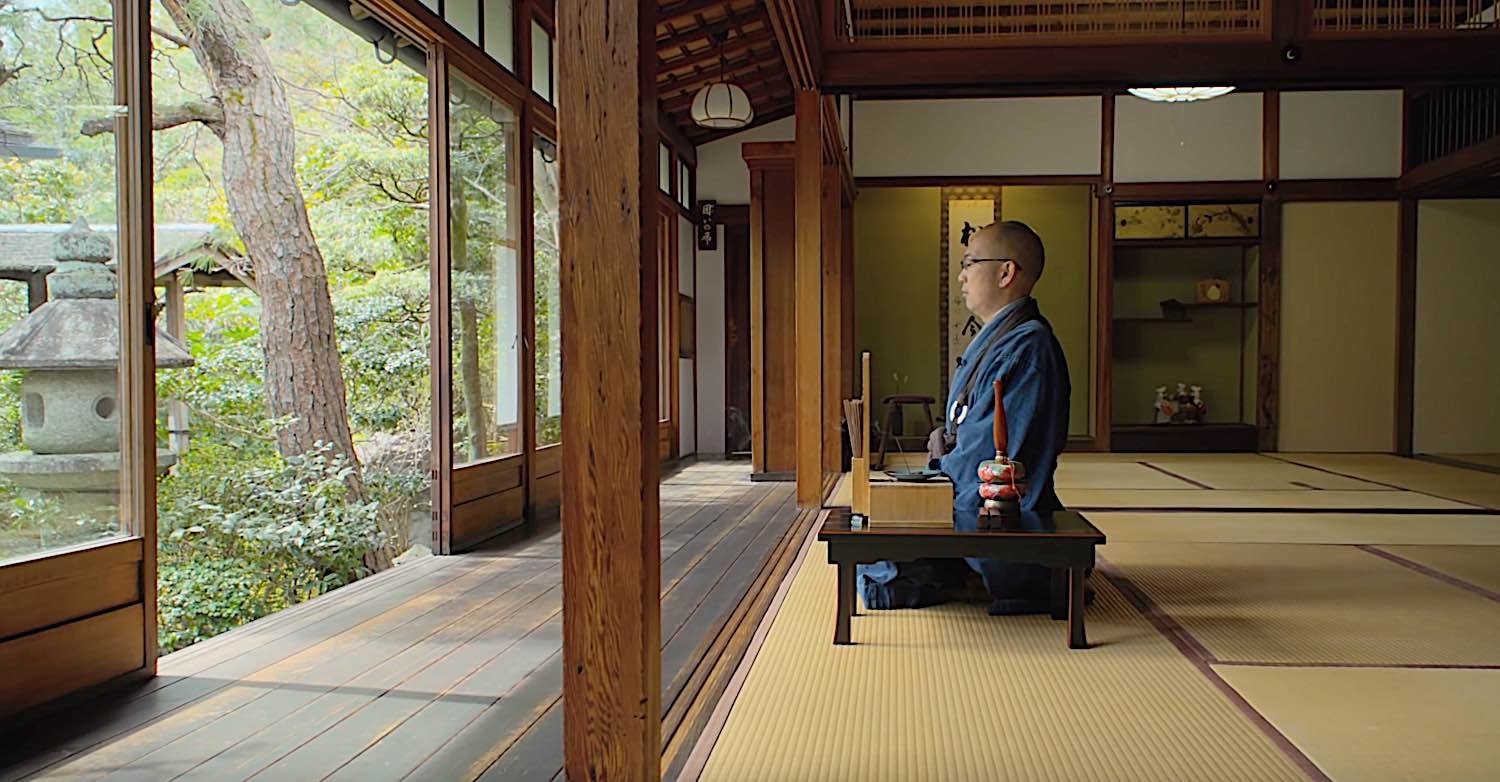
(1062, 540)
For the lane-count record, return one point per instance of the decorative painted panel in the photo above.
(1150, 222)
(1223, 220)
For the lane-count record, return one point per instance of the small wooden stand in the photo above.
(883, 500)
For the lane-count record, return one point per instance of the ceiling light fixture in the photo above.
(1179, 94)
(722, 105)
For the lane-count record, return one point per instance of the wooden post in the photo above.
(757, 411)
(833, 320)
(439, 254)
(809, 312)
(610, 524)
(1406, 326)
(136, 252)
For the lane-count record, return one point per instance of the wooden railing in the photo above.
(1445, 120)
(1395, 16)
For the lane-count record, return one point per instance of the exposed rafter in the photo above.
(689, 58)
(759, 40)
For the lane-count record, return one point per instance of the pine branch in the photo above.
(206, 112)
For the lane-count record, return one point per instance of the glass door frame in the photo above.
(453, 485)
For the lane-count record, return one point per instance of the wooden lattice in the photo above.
(936, 19)
(1389, 15)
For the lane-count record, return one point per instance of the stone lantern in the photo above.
(69, 349)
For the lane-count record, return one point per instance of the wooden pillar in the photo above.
(809, 303)
(833, 320)
(773, 294)
(1268, 341)
(846, 293)
(1406, 326)
(611, 529)
(136, 251)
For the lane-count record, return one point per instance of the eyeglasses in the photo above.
(969, 263)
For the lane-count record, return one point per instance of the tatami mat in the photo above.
(1089, 474)
(842, 493)
(1456, 483)
(1485, 459)
(1343, 528)
(1199, 499)
(1380, 724)
(1477, 564)
(1252, 472)
(1282, 603)
(948, 693)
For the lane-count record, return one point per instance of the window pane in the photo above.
(548, 295)
(499, 35)
(684, 184)
(664, 168)
(296, 272)
(485, 276)
(666, 299)
(541, 61)
(59, 360)
(464, 16)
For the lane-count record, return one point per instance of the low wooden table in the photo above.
(1063, 541)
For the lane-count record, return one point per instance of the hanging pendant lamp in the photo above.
(722, 105)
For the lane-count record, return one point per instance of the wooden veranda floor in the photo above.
(446, 668)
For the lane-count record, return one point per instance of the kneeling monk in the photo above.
(1001, 265)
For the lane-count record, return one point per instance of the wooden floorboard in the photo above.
(449, 668)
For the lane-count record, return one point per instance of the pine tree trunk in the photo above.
(468, 334)
(304, 379)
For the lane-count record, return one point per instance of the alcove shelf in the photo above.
(1160, 254)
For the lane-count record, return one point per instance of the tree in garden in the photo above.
(482, 158)
(250, 115)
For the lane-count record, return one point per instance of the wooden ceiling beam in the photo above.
(780, 112)
(744, 77)
(711, 53)
(1475, 162)
(907, 72)
(673, 11)
(764, 58)
(706, 32)
(677, 138)
(797, 38)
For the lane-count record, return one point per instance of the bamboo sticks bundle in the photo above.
(854, 417)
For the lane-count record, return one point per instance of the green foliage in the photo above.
(240, 540)
(33, 521)
(243, 531)
(39, 191)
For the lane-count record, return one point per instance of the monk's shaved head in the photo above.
(1011, 239)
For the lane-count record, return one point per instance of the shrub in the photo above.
(258, 537)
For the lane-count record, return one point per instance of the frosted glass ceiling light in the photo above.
(1179, 94)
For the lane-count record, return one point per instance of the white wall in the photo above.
(1349, 134)
(1207, 141)
(687, 275)
(995, 136)
(711, 360)
(722, 175)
